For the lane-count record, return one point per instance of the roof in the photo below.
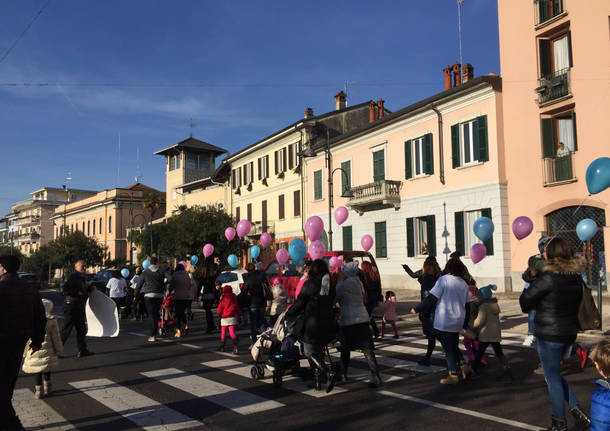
(207, 180)
(194, 144)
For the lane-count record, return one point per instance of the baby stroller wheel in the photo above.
(277, 380)
(257, 372)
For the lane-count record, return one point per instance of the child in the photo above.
(280, 299)
(228, 310)
(389, 313)
(534, 266)
(470, 342)
(43, 361)
(600, 398)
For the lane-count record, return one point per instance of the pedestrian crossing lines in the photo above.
(395, 363)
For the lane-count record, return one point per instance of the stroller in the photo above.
(167, 321)
(275, 351)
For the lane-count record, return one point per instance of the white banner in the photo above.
(102, 316)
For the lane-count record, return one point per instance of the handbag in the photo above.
(588, 314)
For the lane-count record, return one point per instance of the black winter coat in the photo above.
(372, 289)
(555, 295)
(254, 287)
(75, 286)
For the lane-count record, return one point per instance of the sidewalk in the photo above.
(512, 319)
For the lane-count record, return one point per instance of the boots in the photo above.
(465, 371)
(582, 420)
(38, 394)
(451, 379)
(558, 425)
(372, 362)
(47, 387)
(221, 347)
(236, 346)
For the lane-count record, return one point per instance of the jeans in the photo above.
(153, 307)
(551, 354)
(450, 342)
(11, 356)
(257, 319)
(530, 322)
(74, 316)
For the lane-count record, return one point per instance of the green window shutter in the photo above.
(410, 238)
(570, 62)
(317, 185)
(489, 244)
(347, 168)
(548, 137)
(455, 145)
(428, 155)
(380, 240)
(544, 46)
(408, 160)
(459, 232)
(574, 130)
(379, 165)
(347, 238)
(482, 135)
(431, 225)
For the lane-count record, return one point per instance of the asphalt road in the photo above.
(131, 384)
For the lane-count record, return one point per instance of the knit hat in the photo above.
(542, 242)
(350, 269)
(485, 291)
(48, 306)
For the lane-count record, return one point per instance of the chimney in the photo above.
(457, 76)
(340, 100)
(380, 105)
(447, 71)
(371, 111)
(308, 112)
(467, 73)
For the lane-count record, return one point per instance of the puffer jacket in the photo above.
(47, 358)
(487, 323)
(350, 296)
(280, 299)
(600, 406)
(555, 295)
(253, 284)
(228, 306)
(151, 281)
(180, 284)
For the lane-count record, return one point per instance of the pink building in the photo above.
(555, 63)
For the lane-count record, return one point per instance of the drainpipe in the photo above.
(440, 144)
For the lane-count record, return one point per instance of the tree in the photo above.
(151, 202)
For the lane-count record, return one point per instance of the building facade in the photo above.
(107, 216)
(555, 64)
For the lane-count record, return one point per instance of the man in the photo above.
(256, 287)
(22, 318)
(153, 286)
(75, 293)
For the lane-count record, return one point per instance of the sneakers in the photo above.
(529, 341)
(152, 339)
(178, 334)
(85, 352)
(330, 384)
(38, 394)
(582, 420)
(539, 370)
(451, 379)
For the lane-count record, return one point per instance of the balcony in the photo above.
(34, 219)
(554, 86)
(378, 194)
(558, 170)
(29, 236)
(546, 10)
(258, 229)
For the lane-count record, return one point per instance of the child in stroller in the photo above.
(167, 321)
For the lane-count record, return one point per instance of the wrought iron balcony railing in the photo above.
(557, 169)
(553, 86)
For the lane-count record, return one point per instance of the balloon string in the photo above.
(579, 206)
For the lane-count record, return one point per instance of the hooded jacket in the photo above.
(254, 287)
(351, 296)
(228, 306)
(600, 406)
(152, 280)
(47, 358)
(555, 295)
(180, 284)
(487, 323)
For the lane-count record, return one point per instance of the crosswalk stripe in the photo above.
(143, 411)
(391, 362)
(36, 414)
(508, 346)
(239, 401)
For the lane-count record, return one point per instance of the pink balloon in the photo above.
(341, 215)
(183, 263)
(340, 260)
(265, 239)
(229, 233)
(243, 228)
(478, 252)
(282, 256)
(208, 250)
(366, 242)
(314, 227)
(522, 227)
(316, 249)
(334, 262)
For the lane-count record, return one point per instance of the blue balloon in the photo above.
(297, 250)
(483, 228)
(146, 264)
(194, 260)
(255, 251)
(125, 272)
(232, 259)
(598, 175)
(586, 229)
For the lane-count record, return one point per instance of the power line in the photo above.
(8, 51)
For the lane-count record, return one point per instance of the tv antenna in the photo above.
(139, 176)
(346, 86)
(459, 6)
(192, 126)
(68, 179)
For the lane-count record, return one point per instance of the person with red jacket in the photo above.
(228, 310)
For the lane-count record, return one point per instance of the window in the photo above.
(247, 170)
(280, 202)
(419, 156)
(93, 226)
(548, 9)
(421, 236)
(381, 249)
(83, 227)
(236, 178)
(347, 238)
(100, 225)
(346, 178)
(293, 155)
(237, 214)
(555, 58)
(249, 212)
(464, 235)
(297, 203)
(379, 165)
(280, 161)
(263, 167)
(317, 185)
(174, 162)
(197, 161)
(558, 144)
(109, 224)
(72, 227)
(469, 142)
(88, 228)
(264, 215)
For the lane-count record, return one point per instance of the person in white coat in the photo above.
(45, 360)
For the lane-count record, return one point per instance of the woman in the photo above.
(180, 285)
(116, 290)
(313, 319)
(280, 300)
(209, 295)
(372, 289)
(555, 295)
(427, 277)
(152, 286)
(354, 321)
(450, 295)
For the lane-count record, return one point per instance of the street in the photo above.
(130, 384)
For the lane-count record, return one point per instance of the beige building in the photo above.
(107, 215)
(31, 224)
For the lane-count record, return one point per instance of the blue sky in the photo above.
(240, 69)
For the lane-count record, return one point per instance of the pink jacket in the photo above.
(389, 309)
